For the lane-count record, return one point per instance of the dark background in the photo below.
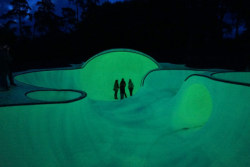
(198, 33)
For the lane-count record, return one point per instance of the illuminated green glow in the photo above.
(102, 71)
(168, 122)
(54, 96)
(98, 75)
(243, 77)
(171, 80)
(194, 107)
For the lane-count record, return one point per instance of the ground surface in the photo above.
(168, 122)
(16, 95)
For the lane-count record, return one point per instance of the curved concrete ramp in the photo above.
(55, 96)
(204, 123)
(240, 77)
(214, 122)
(169, 80)
(98, 74)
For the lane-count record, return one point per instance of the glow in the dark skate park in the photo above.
(175, 118)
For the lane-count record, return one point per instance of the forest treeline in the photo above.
(184, 31)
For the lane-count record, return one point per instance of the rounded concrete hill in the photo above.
(97, 76)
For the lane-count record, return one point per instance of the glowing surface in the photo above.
(200, 122)
(243, 77)
(98, 75)
(170, 80)
(53, 96)
(194, 107)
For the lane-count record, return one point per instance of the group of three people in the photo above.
(5, 67)
(122, 88)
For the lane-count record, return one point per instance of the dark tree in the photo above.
(88, 7)
(7, 33)
(69, 19)
(240, 14)
(78, 4)
(21, 11)
(46, 21)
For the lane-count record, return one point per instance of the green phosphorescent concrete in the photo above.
(242, 77)
(53, 96)
(98, 74)
(168, 122)
(194, 107)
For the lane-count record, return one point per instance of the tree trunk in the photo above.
(20, 25)
(77, 12)
(34, 31)
(237, 25)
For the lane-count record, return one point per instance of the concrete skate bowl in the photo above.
(56, 96)
(191, 104)
(239, 77)
(210, 123)
(98, 74)
(195, 122)
(170, 80)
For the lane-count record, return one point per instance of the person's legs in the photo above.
(116, 94)
(11, 78)
(131, 92)
(122, 95)
(4, 81)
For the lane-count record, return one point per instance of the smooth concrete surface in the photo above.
(170, 121)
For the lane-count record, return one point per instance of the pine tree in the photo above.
(45, 19)
(20, 11)
(69, 19)
(78, 4)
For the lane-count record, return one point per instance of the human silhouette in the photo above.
(122, 88)
(130, 87)
(5, 67)
(116, 88)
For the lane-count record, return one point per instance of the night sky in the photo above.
(176, 33)
(5, 4)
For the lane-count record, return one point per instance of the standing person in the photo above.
(5, 67)
(122, 88)
(130, 87)
(10, 60)
(116, 88)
